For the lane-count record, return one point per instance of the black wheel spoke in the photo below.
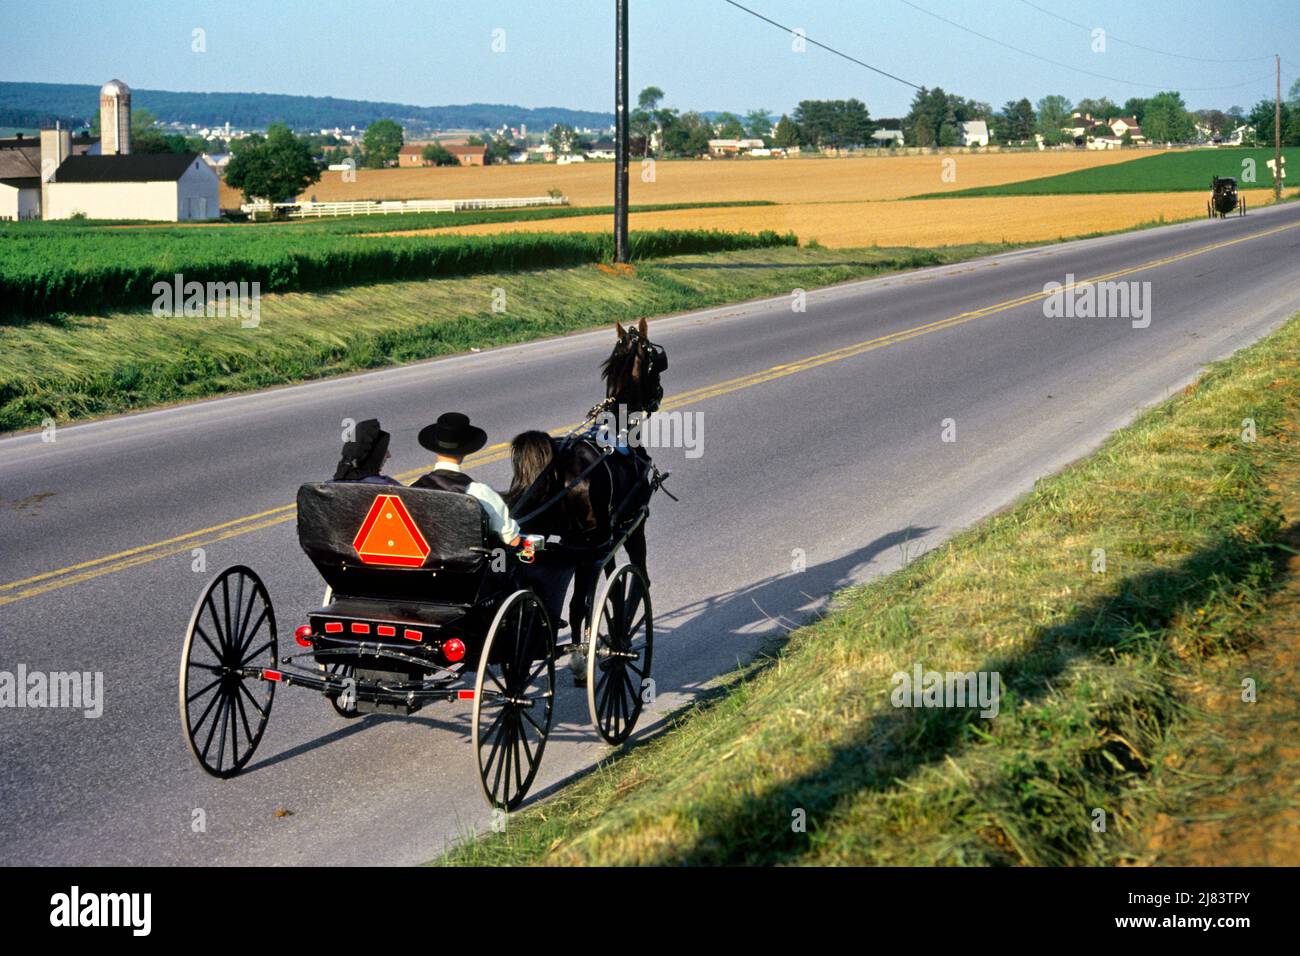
(252, 700)
(254, 654)
(215, 653)
(199, 693)
(253, 633)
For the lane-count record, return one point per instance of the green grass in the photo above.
(90, 270)
(1094, 666)
(77, 366)
(1183, 171)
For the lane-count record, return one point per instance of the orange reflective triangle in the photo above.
(389, 536)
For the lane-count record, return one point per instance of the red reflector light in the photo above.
(303, 636)
(334, 627)
(412, 635)
(453, 649)
(387, 630)
(268, 674)
(465, 695)
(359, 628)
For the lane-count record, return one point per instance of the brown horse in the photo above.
(581, 489)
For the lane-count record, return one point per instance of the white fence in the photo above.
(317, 210)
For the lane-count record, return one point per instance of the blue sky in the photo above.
(704, 53)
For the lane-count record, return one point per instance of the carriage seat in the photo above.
(395, 543)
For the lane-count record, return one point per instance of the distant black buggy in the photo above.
(1224, 198)
(415, 612)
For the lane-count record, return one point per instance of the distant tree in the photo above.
(649, 98)
(1015, 123)
(276, 167)
(1261, 117)
(833, 124)
(686, 135)
(786, 134)
(499, 149)
(1053, 114)
(439, 155)
(729, 126)
(1166, 119)
(932, 111)
(644, 121)
(1293, 96)
(383, 141)
(1100, 109)
(1216, 121)
(1136, 107)
(758, 124)
(562, 138)
(1101, 129)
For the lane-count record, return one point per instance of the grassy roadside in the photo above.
(82, 366)
(1113, 680)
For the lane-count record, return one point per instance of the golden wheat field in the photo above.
(916, 222)
(675, 181)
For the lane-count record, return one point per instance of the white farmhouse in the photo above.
(975, 133)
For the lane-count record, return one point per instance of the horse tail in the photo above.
(531, 454)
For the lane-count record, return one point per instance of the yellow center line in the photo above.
(133, 557)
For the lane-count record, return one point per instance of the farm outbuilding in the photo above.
(169, 187)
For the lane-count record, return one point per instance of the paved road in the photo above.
(822, 438)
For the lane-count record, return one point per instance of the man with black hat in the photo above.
(364, 456)
(451, 438)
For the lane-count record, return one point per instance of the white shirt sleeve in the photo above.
(497, 511)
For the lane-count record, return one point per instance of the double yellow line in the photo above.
(170, 547)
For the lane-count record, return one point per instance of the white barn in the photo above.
(168, 187)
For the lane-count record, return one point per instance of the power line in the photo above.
(1149, 49)
(1066, 66)
(803, 36)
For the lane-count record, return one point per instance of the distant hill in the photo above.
(30, 104)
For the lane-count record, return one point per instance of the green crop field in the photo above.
(1185, 171)
(46, 271)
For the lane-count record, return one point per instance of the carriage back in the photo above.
(394, 543)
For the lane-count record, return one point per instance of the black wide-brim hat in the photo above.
(452, 434)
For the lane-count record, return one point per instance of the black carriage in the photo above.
(1224, 198)
(420, 607)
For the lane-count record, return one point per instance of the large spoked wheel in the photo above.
(513, 699)
(231, 634)
(621, 641)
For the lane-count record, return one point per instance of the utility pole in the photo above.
(1277, 135)
(621, 251)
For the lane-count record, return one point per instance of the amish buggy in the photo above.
(1224, 198)
(421, 605)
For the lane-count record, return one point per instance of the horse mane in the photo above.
(617, 369)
